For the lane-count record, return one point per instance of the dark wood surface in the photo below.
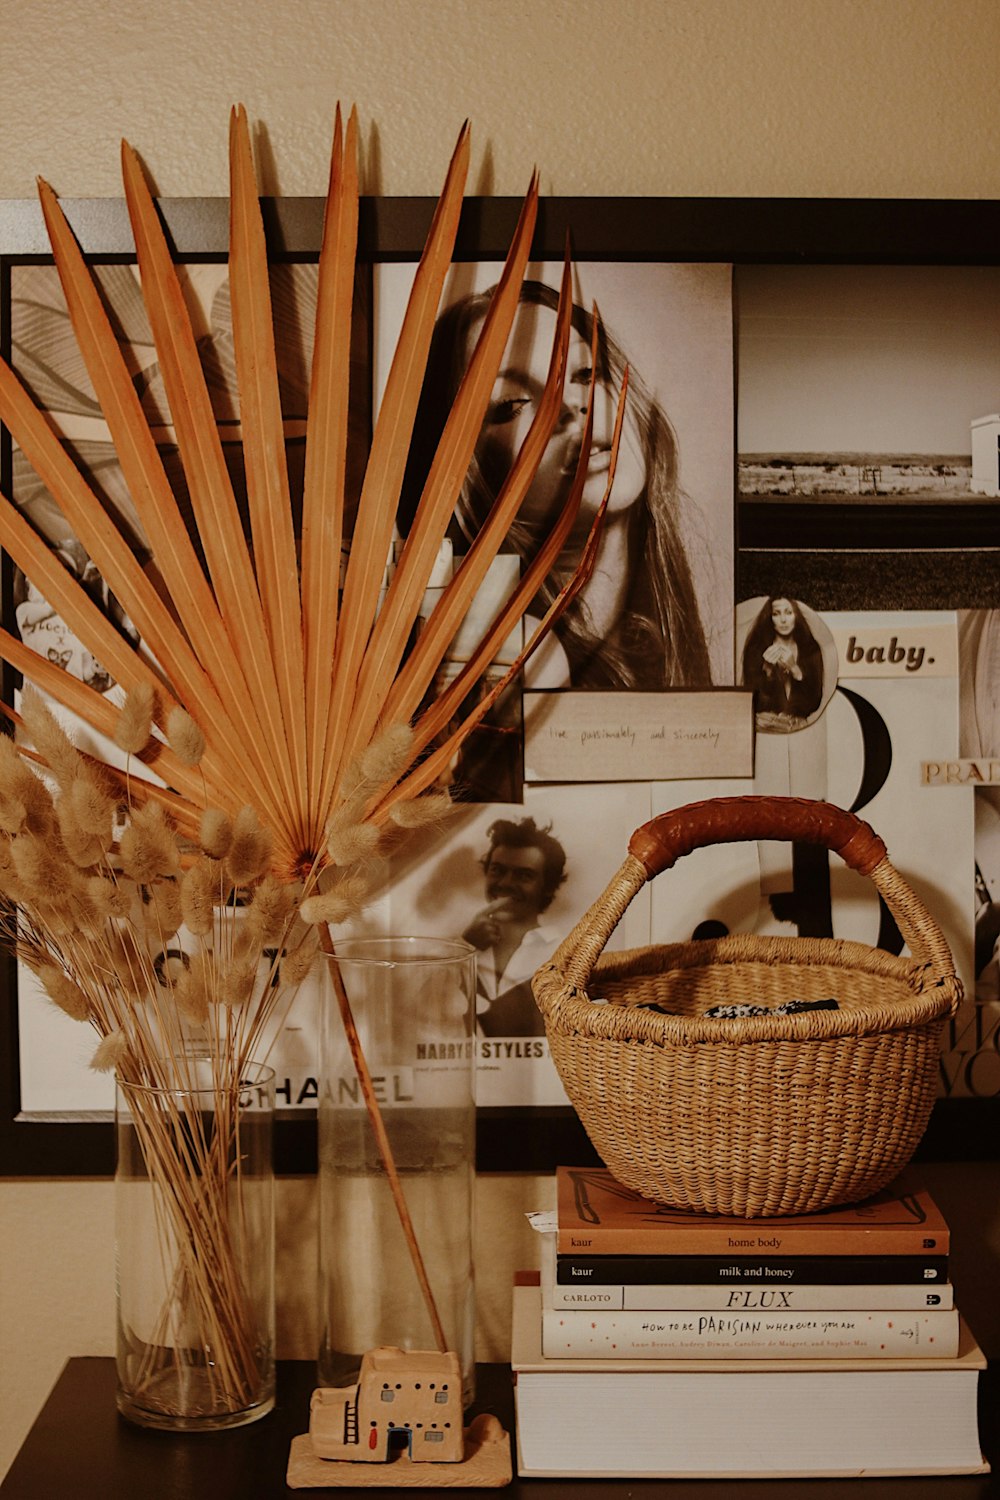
(80, 1447)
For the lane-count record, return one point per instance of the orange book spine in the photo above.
(708, 1239)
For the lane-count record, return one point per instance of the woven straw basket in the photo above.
(759, 1115)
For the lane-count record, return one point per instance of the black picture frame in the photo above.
(947, 558)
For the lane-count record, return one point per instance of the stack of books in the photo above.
(664, 1344)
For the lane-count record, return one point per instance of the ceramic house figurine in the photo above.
(406, 1409)
(404, 1399)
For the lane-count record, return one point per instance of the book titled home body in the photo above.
(597, 1215)
(609, 1236)
(741, 1418)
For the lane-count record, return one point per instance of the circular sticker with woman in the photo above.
(787, 655)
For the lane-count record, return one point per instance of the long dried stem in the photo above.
(193, 1174)
(381, 1135)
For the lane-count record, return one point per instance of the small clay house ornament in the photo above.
(404, 1413)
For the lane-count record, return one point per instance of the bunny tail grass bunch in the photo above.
(280, 727)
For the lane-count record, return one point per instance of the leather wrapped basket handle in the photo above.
(729, 820)
(659, 844)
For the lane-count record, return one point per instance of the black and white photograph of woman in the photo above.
(782, 661)
(657, 610)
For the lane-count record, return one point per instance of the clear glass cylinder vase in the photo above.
(194, 1210)
(396, 1152)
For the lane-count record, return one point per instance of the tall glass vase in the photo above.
(396, 1152)
(194, 1208)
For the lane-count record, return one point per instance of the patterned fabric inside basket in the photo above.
(708, 990)
(734, 1012)
(786, 1008)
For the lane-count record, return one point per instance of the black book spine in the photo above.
(736, 1270)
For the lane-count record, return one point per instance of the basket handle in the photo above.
(659, 844)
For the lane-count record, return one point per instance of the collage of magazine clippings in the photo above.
(894, 715)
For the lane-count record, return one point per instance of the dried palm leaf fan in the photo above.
(300, 716)
(288, 686)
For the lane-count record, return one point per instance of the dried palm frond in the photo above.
(287, 725)
(287, 683)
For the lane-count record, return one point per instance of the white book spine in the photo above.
(572, 1334)
(752, 1299)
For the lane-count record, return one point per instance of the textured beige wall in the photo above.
(828, 97)
(866, 98)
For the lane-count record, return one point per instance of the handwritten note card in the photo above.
(638, 736)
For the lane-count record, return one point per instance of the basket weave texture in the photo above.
(763, 1115)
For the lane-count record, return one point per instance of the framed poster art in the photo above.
(769, 334)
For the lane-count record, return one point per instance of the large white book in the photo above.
(741, 1418)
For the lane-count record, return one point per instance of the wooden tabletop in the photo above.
(80, 1447)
